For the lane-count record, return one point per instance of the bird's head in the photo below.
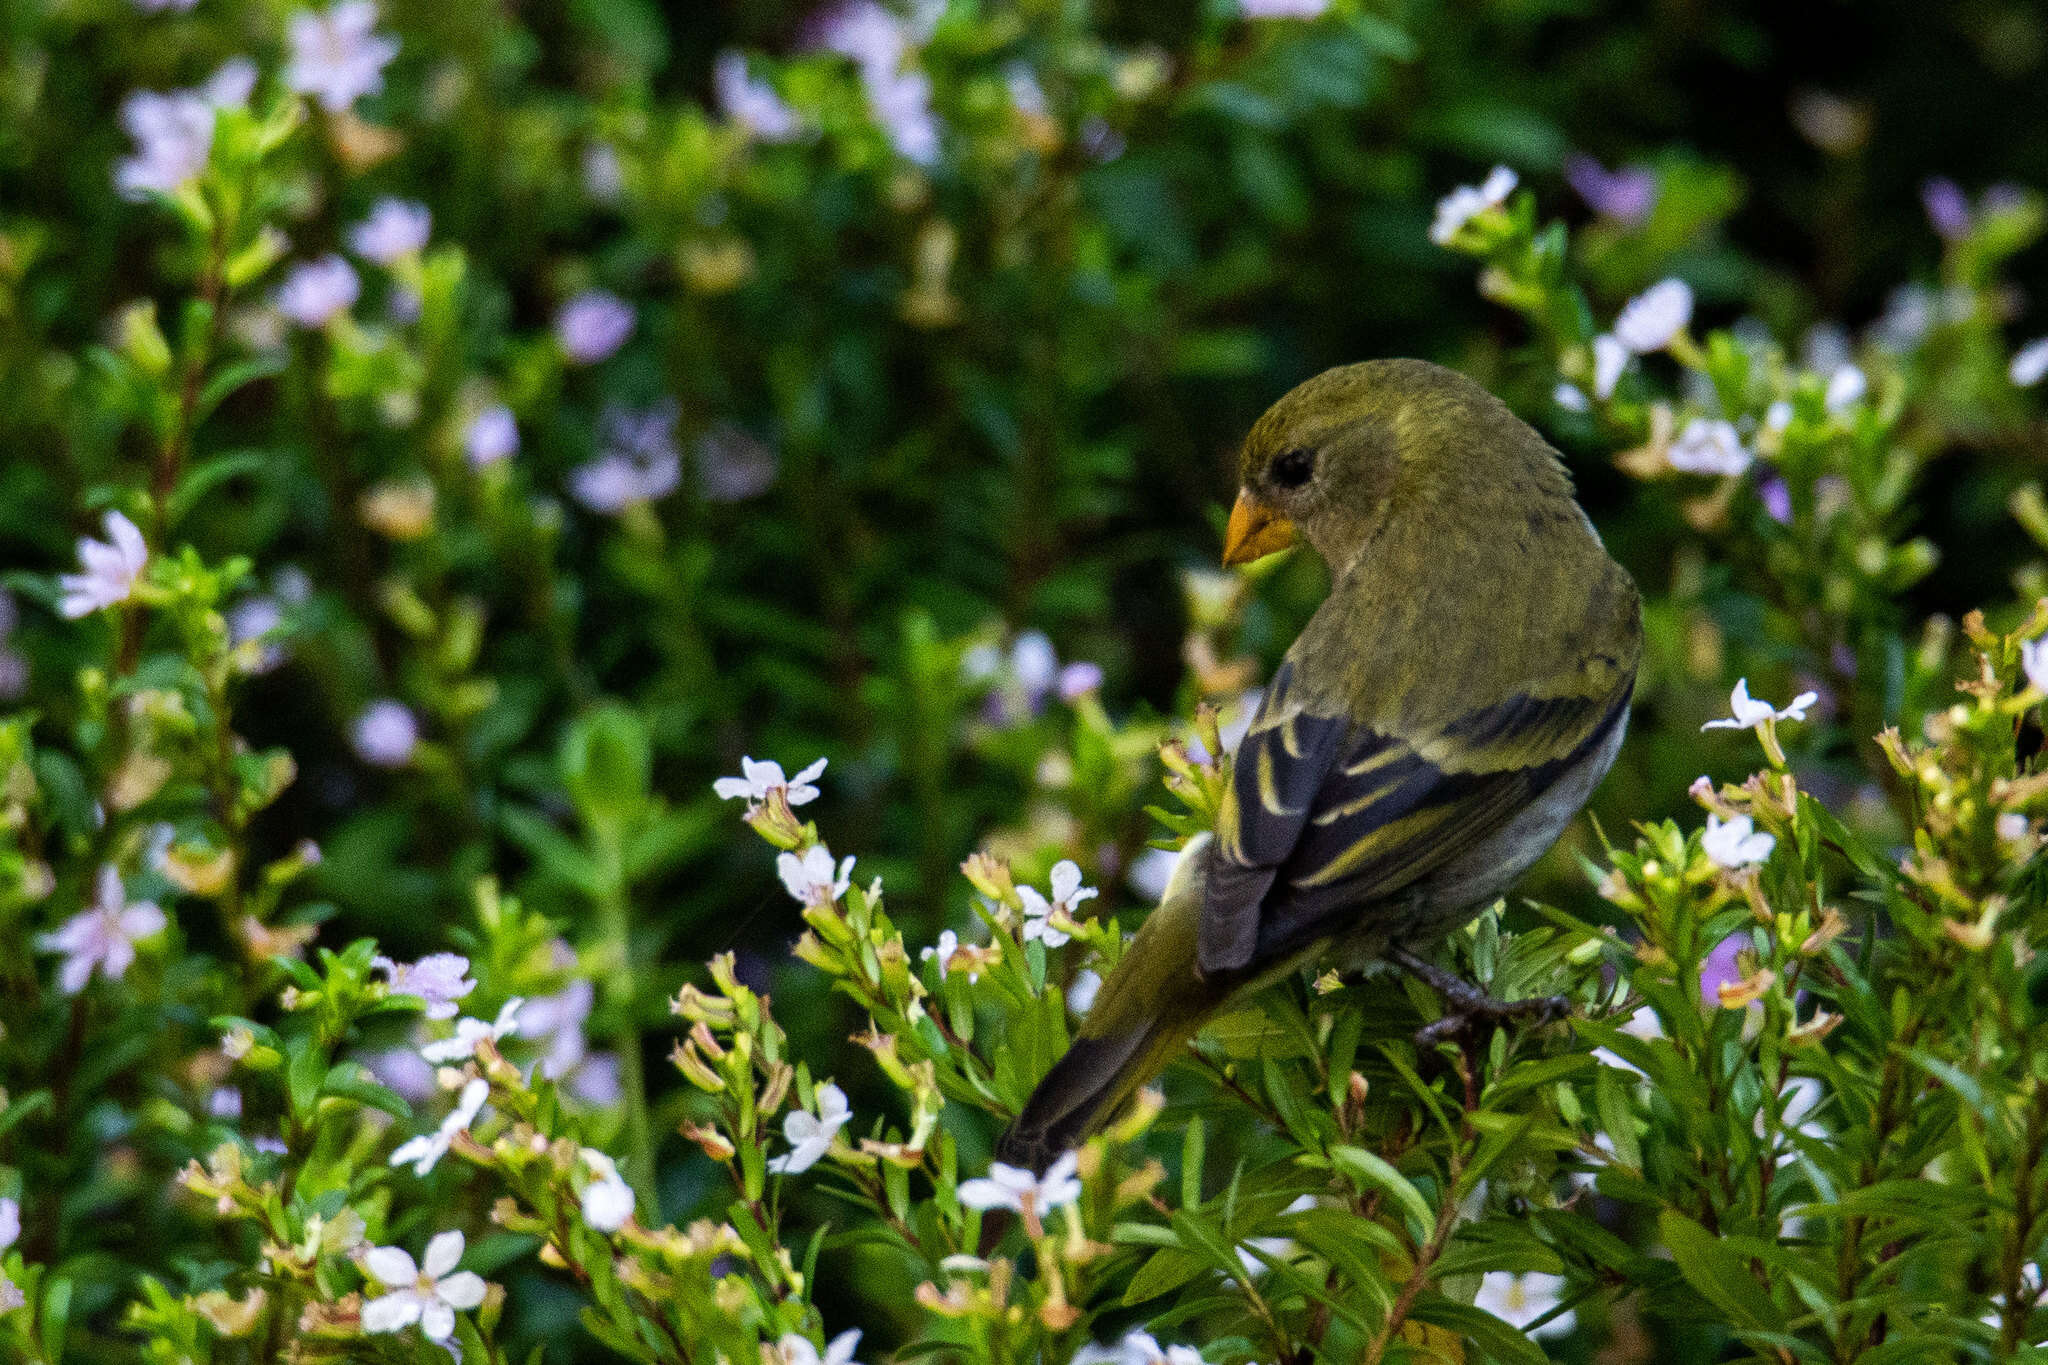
(1342, 452)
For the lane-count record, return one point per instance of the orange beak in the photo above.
(1255, 531)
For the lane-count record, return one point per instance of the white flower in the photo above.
(173, 136)
(1643, 1024)
(593, 325)
(798, 1350)
(948, 944)
(1570, 397)
(1736, 843)
(1081, 995)
(1137, 1348)
(1778, 415)
(1467, 202)
(1283, 9)
(607, 1201)
(1709, 446)
(1845, 386)
(103, 937)
(2030, 363)
(2034, 662)
(231, 84)
(558, 1019)
(1013, 1187)
(810, 1135)
(2012, 827)
(111, 568)
(335, 57)
(752, 103)
(440, 979)
(11, 1296)
(1150, 871)
(902, 104)
(1653, 319)
(759, 782)
(1610, 358)
(639, 462)
(426, 1294)
(385, 734)
(317, 292)
(395, 229)
(492, 437)
(811, 878)
(426, 1150)
(1749, 714)
(1519, 1300)
(1067, 894)
(470, 1033)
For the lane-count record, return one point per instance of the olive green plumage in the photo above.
(1443, 716)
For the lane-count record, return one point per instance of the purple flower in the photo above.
(1099, 140)
(753, 103)
(224, 1103)
(861, 29)
(1720, 968)
(639, 462)
(593, 325)
(403, 1070)
(1776, 498)
(111, 568)
(396, 228)
(386, 734)
(231, 84)
(1077, 680)
(440, 979)
(903, 106)
(256, 618)
(318, 291)
(103, 936)
(336, 58)
(1626, 195)
(1283, 9)
(163, 6)
(173, 135)
(1948, 208)
(492, 437)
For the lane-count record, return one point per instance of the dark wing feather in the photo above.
(1323, 815)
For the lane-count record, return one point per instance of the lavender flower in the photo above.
(440, 979)
(336, 58)
(1722, 967)
(317, 292)
(752, 103)
(1948, 208)
(492, 436)
(1627, 195)
(102, 937)
(902, 104)
(2034, 663)
(592, 326)
(385, 734)
(1776, 497)
(173, 136)
(639, 463)
(165, 6)
(395, 229)
(111, 569)
(732, 465)
(1283, 9)
(1077, 680)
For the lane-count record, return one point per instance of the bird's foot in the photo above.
(1468, 1010)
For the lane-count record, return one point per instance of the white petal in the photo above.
(443, 1254)
(987, 1194)
(128, 541)
(392, 1312)
(462, 1290)
(437, 1320)
(839, 1351)
(391, 1265)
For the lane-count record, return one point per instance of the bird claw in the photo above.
(1469, 1017)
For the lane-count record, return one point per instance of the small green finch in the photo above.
(1442, 718)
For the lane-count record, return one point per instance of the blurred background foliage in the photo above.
(926, 408)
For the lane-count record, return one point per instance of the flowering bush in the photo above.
(455, 442)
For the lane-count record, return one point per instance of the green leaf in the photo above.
(1719, 1272)
(1371, 1171)
(348, 1081)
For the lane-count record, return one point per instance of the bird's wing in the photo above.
(1325, 815)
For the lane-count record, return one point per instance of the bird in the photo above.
(1441, 719)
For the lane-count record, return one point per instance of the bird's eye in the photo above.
(1291, 468)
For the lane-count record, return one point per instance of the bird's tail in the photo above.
(1152, 1004)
